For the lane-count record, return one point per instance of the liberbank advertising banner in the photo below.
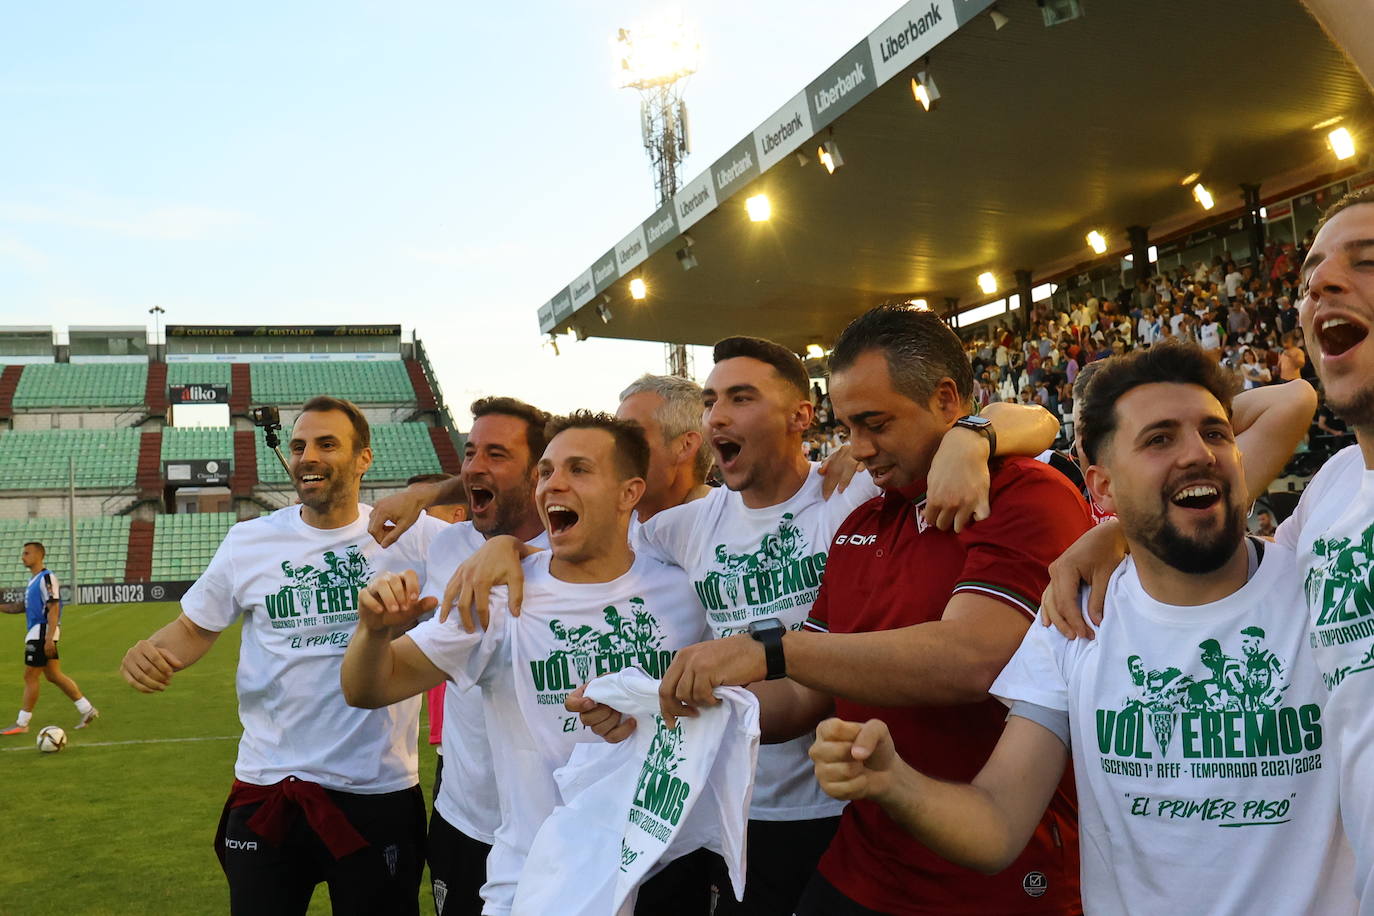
(890, 50)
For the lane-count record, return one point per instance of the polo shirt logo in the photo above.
(859, 540)
(921, 523)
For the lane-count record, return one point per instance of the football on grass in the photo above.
(51, 739)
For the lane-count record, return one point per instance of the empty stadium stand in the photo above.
(102, 546)
(189, 444)
(105, 458)
(83, 385)
(184, 544)
(400, 450)
(382, 382)
(200, 374)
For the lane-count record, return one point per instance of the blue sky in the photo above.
(447, 166)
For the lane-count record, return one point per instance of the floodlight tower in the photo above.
(655, 61)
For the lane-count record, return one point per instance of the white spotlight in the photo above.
(759, 208)
(638, 289)
(829, 155)
(1341, 143)
(1097, 242)
(987, 282)
(925, 91)
(1203, 196)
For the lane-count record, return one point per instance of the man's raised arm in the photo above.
(379, 669)
(982, 825)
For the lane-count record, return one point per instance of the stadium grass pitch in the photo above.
(123, 820)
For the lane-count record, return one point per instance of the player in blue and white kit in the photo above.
(43, 608)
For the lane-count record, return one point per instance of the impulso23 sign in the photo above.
(131, 592)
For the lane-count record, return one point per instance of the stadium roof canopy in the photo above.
(1040, 135)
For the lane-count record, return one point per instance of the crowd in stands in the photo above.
(1246, 316)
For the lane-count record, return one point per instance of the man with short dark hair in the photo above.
(591, 475)
(918, 618)
(42, 606)
(1166, 760)
(323, 792)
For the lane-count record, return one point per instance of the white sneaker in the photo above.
(88, 717)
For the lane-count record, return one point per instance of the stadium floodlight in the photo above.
(638, 289)
(919, 305)
(999, 18)
(657, 54)
(829, 155)
(1189, 179)
(760, 210)
(1342, 143)
(987, 282)
(553, 342)
(924, 89)
(1203, 196)
(578, 332)
(815, 351)
(1097, 242)
(603, 310)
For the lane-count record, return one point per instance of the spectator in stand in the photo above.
(1292, 360)
(1253, 373)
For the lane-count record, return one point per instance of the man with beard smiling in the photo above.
(1158, 774)
(323, 791)
(497, 478)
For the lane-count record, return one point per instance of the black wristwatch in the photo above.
(982, 426)
(769, 632)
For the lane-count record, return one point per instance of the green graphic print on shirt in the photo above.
(1340, 588)
(1225, 720)
(585, 651)
(660, 795)
(782, 573)
(321, 593)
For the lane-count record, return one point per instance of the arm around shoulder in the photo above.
(1269, 423)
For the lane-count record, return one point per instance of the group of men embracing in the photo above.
(918, 724)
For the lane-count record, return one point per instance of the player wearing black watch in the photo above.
(769, 631)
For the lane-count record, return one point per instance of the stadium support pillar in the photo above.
(1023, 289)
(1139, 237)
(1254, 223)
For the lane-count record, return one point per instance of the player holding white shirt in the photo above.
(294, 578)
(754, 550)
(591, 607)
(1197, 707)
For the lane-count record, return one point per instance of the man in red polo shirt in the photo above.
(912, 624)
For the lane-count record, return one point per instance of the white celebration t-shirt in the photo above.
(1332, 531)
(631, 808)
(749, 564)
(1207, 779)
(296, 588)
(467, 794)
(567, 633)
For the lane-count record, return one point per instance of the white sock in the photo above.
(24, 717)
(83, 706)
